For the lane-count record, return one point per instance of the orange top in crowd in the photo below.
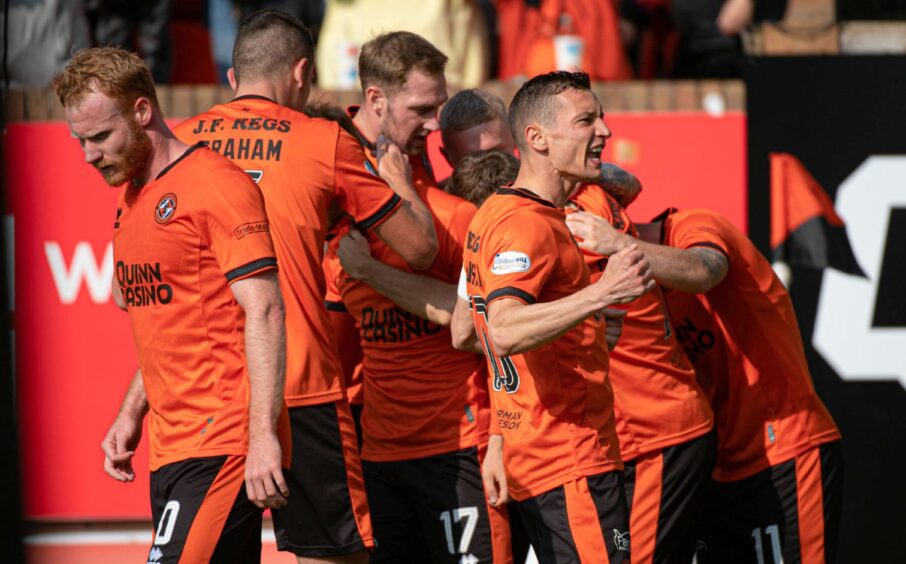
(657, 402)
(743, 338)
(554, 404)
(179, 241)
(421, 396)
(301, 165)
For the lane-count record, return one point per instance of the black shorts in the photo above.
(665, 489)
(433, 509)
(201, 513)
(585, 520)
(327, 511)
(786, 513)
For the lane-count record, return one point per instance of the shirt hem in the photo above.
(568, 476)
(314, 399)
(779, 458)
(403, 455)
(158, 462)
(666, 442)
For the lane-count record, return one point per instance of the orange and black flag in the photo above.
(805, 229)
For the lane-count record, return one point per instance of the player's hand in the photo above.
(627, 276)
(613, 319)
(594, 233)
(393, 164)
(264, 482)
(354, 254)
(734, 16)
(493, 475)
(119, 447)
(622, 185)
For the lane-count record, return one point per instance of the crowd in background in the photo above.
(190, 41)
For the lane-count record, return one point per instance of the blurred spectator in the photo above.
(710, 46)
(42, 37)
(649, 36)
(142, 26)
(456, 27)
(529, 28)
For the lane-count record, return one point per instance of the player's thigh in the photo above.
(396, 528)
(201, 512)
(327, 511)
(453, 511)
(585, 520)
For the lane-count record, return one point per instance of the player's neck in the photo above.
(368, 123)
(261, 88)
(166, 148)
(542, 179)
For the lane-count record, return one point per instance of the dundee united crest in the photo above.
(165, 209)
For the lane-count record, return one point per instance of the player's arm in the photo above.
(493, 474)
(695, 270)
(424, 296)
(117, 295)
(462, 328)
(516, 326)
(126, 431)
(623, 186)
(346, 336)
(265, 349)
(409, 231)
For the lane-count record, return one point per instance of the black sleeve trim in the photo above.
(377, 216)
(338, 307)
(510, 292)
(249, 268)
(710, 245)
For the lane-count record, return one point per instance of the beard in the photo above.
(408, 144)
(133, 161)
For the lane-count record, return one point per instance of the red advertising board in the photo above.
(74, 351)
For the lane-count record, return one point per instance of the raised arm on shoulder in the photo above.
(695, 270)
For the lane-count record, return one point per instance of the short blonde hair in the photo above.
(480, 174)
(116, 73)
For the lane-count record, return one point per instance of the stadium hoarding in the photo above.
(74, 351)
(843, 118)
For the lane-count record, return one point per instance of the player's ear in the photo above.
(300, 72)
(534, 138)
(376, 99)
(231, 78)
(143, 111)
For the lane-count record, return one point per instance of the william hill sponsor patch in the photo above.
(508, 262)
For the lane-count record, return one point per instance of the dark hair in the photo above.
(534, 102)
(326, 110)
(269, 43)
(478, 175)
(387, 60)
(469, 108)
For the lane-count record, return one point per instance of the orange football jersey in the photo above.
(178, 243)
(554, 404)
(301, 165)
(657, 401)
(743, 338)
(421, 396)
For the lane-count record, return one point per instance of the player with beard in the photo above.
(302, 166)
(425, 415)
(538, 317)
(195, 270)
